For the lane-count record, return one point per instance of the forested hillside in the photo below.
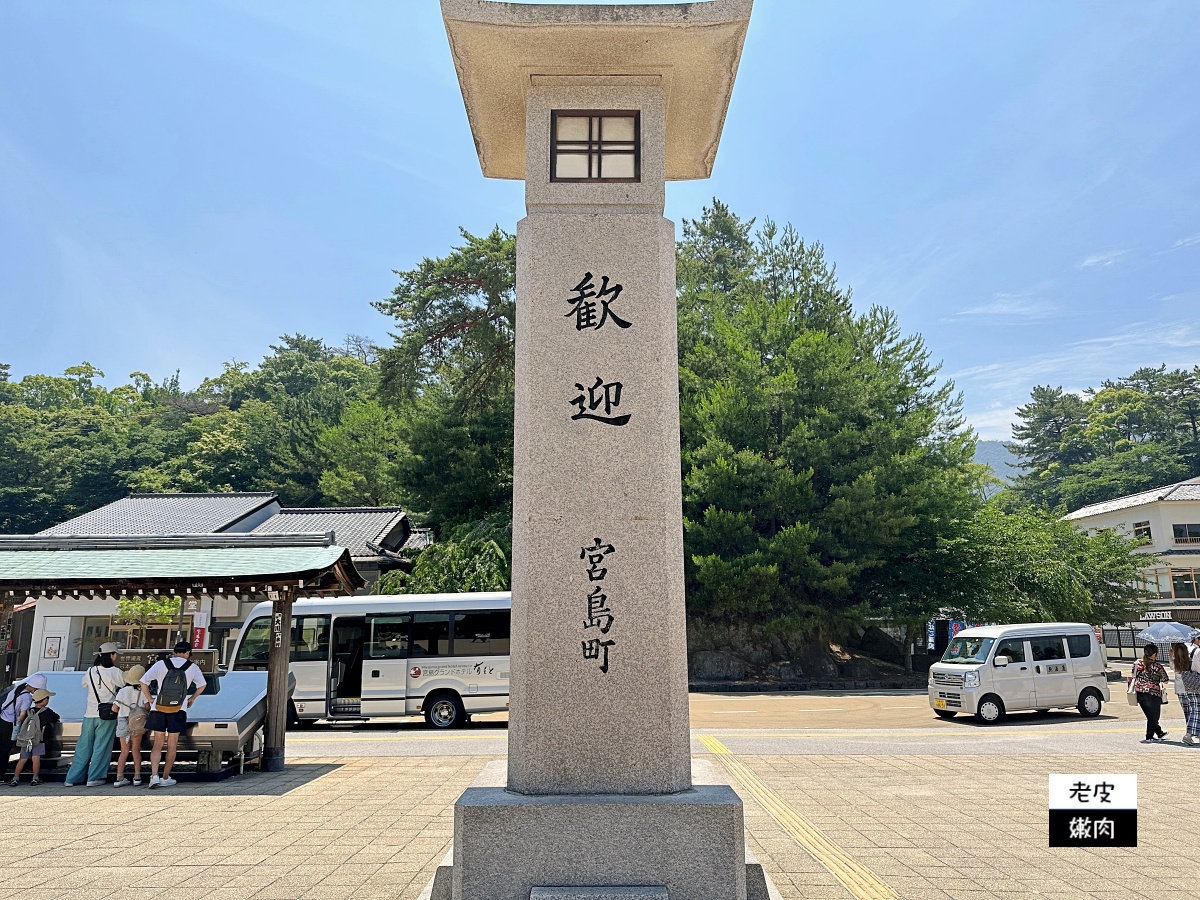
(1132, 434)
(827, 474)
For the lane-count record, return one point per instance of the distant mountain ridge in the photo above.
(1004, 464)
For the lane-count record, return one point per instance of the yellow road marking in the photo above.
(901, 733)
(857, 878)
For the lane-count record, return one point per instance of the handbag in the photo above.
(104, 710)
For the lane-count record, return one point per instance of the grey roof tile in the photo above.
(352, 527)
(1183, 490)
(165, 514)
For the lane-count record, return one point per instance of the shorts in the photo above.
(172, 723)
(35, 750)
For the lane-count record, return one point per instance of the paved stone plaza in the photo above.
(934, 810)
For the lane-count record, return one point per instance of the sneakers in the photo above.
(137, 782)
(35, 780)
(97, 781)
(155, 781)
(13, 783)
(1162, 735)
(1188, 739)
(166, 782)
(124, 782)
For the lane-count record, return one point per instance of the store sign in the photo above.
(1157, 616)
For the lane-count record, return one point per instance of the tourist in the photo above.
(1189, 698)
(132, 710)
(19, 699)
(180, 682)
(31, 735)
(1148, 678)
(93, 752)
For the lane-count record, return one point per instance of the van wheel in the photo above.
(946, 713)
(1090, 703)
(990, 709)
(444, 711)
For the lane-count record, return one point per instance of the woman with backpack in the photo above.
(131, 725)
(93, 752)
(31, 731)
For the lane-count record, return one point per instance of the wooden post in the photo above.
(277, 680)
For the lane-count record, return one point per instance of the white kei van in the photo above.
(996, 669)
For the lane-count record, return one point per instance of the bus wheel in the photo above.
(1090, 702)
(991, 709)
(444, 711)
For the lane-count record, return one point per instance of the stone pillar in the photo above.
(596, 107)
(599, 655)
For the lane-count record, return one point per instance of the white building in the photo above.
(1169, 519)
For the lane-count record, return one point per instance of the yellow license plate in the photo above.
(939, 704)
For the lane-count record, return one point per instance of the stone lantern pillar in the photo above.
(596, 108)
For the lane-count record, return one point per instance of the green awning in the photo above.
(135, 565)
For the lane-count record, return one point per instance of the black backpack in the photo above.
(8, 699)
(174, 688)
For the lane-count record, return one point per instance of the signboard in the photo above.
(198, 638)
(205, 659)
(1163, 615)
(1093, 810)
(191, 604)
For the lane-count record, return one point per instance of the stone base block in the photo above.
(511, 846)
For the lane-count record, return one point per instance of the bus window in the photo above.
(430, 634)
(310, 639)
(255, 646)
(389, 637)
(482, 633)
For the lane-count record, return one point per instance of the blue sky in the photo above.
(182, 183)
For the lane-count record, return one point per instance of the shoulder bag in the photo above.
(104, 710)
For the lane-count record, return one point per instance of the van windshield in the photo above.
(968, 650)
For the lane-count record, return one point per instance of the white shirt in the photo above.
(158, 672)
(129, 698)
(108, 680)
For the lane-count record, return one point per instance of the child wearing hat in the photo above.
(31, 729)
(131, 725)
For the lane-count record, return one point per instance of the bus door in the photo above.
(385, 664)
(310, 663)
(345, 665)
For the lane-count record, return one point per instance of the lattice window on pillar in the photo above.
(592, 145)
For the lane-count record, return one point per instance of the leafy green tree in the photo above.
(474, 558)
(821, 455)
(449, 376)
(141, 612)
(364, 451)
(1030, 566)
(456, 320)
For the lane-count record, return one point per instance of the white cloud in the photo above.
(1022, 305)
(1101, 260)
(1186, 242)
(994, 423)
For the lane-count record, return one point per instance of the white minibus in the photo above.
(443, 655)
(996, 669)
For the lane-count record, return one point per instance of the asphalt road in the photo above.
(860, 723)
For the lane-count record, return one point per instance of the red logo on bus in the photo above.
(415, 671)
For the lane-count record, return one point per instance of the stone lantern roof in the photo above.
(691, 49)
